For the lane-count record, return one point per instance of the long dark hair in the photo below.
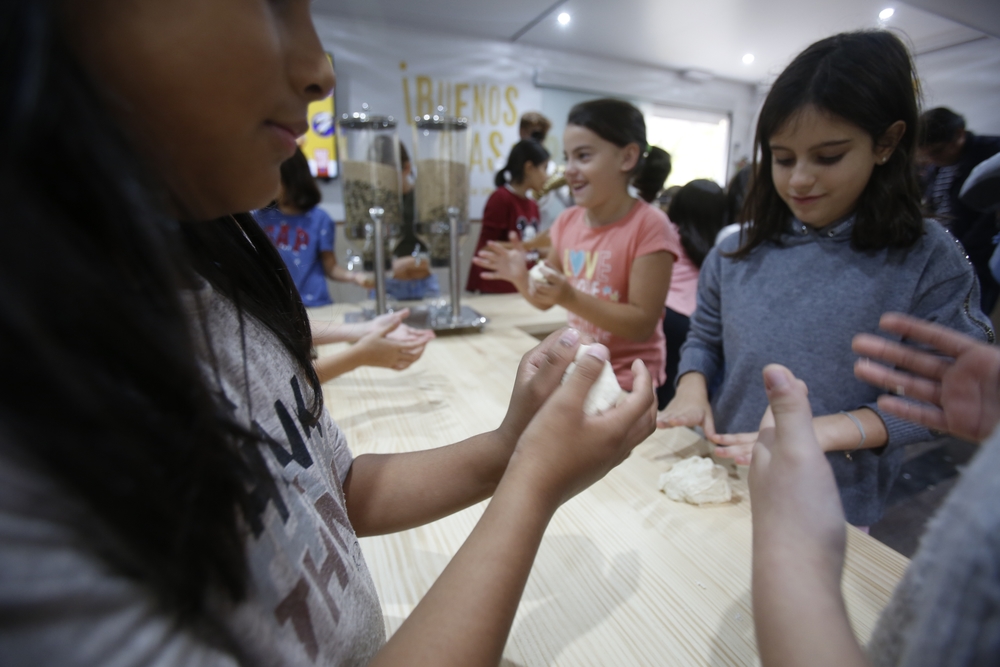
(300, 189)
(654, 174)
(622, 124)
(867, 79)
(523, 152)
(101, 387)
(699, 211)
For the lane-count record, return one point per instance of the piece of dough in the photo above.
(537, 276)
(606, 391)
(698, 481)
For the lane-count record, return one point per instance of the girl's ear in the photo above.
(889, 140)
(630, 156)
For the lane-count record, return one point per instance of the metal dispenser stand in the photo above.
(371, 172)
(442, 190)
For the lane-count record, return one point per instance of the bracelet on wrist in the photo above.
(864, 436)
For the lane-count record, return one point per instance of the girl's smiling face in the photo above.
(212, 92)
(597, 170)
(820, 164)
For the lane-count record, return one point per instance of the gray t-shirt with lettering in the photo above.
(311, 599)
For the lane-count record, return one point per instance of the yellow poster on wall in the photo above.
(319, 142)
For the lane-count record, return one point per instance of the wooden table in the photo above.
(624, 575)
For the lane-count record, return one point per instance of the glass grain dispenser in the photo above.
(370, 168)
(442, 207)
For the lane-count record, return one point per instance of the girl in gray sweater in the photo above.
(837, 239)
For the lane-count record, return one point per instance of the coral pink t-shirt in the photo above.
(598, 261)
(683, 294)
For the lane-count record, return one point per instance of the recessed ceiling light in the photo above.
(563, 18)
(886, 13)
(748, 59)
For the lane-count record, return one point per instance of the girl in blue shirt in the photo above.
(304, 235)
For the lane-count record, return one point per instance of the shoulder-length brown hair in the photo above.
(867, 79)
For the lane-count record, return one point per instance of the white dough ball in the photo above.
(537, 276)
(605, 393)
(698, 481)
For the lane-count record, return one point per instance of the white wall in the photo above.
(966, 79)
(565, 78)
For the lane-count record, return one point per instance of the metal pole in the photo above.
(377, 212)
(454, 270)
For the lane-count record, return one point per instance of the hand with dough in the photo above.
(605, 393)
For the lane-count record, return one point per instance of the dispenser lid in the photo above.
(362, 120)
(441, 122)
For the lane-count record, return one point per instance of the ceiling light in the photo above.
(886, 13)
(747, 59)
(563, 18)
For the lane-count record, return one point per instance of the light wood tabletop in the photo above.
(624, 576)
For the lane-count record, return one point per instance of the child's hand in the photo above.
(410, 336)
(792, 489)
(740, 446)
(504, 261)
(538, 375)
(377, 348)
(690, 406)
(380, 322)
(960, 392)
(366, 280)
(556, 291)
(563, 450)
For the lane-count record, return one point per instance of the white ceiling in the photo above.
(708, 35)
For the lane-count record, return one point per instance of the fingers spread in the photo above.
(929, 416)
(941, 338)
(901, 383)
(921, 363)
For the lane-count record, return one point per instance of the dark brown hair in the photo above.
(622, 124)
(100, 385)
(867, 79)
(300, 187)
(699, 211)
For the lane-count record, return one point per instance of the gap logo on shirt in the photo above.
(279, 235)
(588, 271)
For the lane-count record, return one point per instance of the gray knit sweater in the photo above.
(799, 303)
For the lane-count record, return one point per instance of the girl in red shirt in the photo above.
(509, 210)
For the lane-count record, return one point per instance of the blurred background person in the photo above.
(950, 153)
(304, 235)
(698, 212)
(509, 211)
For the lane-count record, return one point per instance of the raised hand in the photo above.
(958, 389)
(554, 291)
(381, 348)
(563, 451)
(538, 375)
(504, 261)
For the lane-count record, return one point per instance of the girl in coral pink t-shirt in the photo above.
(612, 254)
